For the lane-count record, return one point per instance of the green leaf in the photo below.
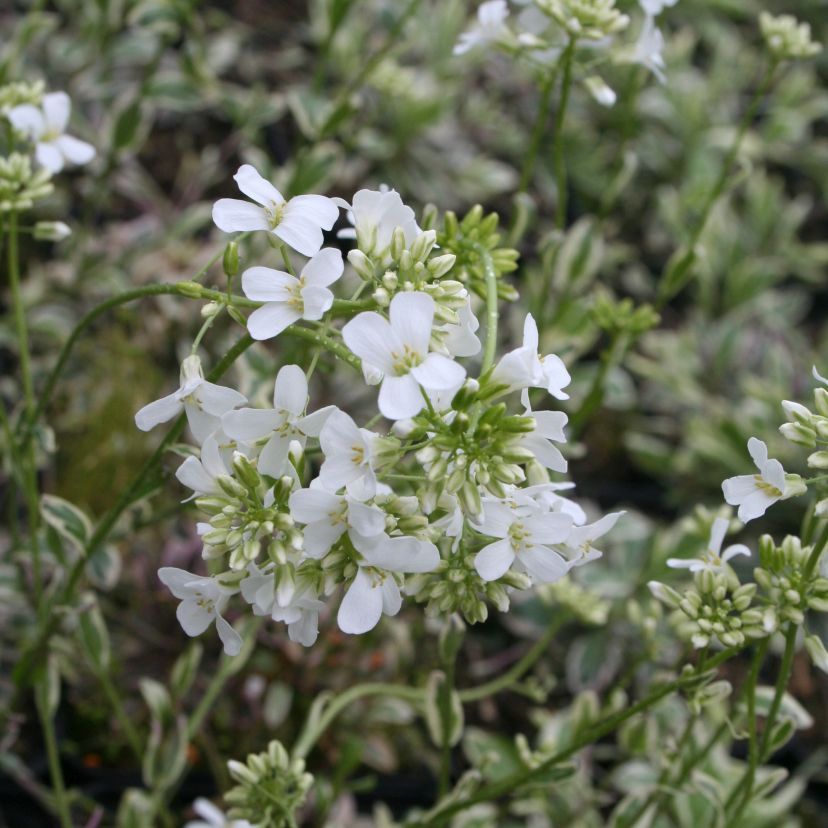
(103, 568)
(126, 125)
(136, 809)
(790, 707)
(67, 520)
(443, 711)
(166, 755)
(94, 637)
(184, 670)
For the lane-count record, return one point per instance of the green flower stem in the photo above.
(27, 455)
(440, 815)
(676, 276)
(746, 783)
(546, 90)
(492, 310)
(557, 147)
(51, 615)
(517, 670)
(114, 698)
(47, 725)
(316, 726)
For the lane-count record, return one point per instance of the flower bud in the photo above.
(53, 231)
(230, 259)
(818, 460)
(441, 265)
(381, 297)
(798, 434)
(361, 264)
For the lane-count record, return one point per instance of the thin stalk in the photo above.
(121, 715)
(313, 728)
(557, 147)
(609, 724)
(517, 670)
(47, 725)
(444, 703)
(537, 131)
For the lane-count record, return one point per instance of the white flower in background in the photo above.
(461, 340)
(653, 8)
(579, 545)
(375, 214)
(713, 559)
(298, 221)
(525, 368)
(374, 590)
(328, 516)
(202, 401)
(349, 457)
(213, 817)
(296, 605)
(648, 48)
(45, 127)
(546, 495)
(600, 90)
(754, 493)
(526, 533)
(489, 27)
(549, 428)
(202, 602)
(288, 299)
(281, 425)
(201, 473)
(399, 350)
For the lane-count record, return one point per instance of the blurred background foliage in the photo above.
(333, 95)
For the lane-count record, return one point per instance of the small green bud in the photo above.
(230, 260)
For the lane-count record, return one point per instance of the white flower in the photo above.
(349, 456)
(276, 593)
(652, 8)
(298, 221)
(648, 48)
(200, 473)
(286, 422)
(328, 516)
(461, 340)
(213, 817)
(754, 493)
(202, 602)
(45, 126)
(489, 27)
(546, 495)
(375, 214)
(202, 401)
(527, 533)
(374, 590)
(399, 350)
(713, 559)
(288, 299)
(549, 427)
(579, 547)
(525, 368)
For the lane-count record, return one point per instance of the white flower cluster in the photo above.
(302, 505)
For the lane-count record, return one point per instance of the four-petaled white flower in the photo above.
(281, 425)
(399, 350)
(298, 221)
(202, 602)
(754, 493)
(45, 126)
(374, 590)
(350, 454)
(489, 27)
(527, 534)
(328, 516)
(375, 215)
(201, 473)
(288, 299)
(579, 547)
(276, 593)
(525, 368)
(213, 817)
(202, 401)
(713, 559)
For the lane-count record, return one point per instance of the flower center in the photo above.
(768, 488)
(357, 455)
(274, 213)
(518, 535)
(405, 361)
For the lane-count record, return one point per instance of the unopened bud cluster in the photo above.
(787, 38)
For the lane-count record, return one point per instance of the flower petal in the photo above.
(439, 373)
(311, 505)
(229, 637)
(302, 235)
(412, 315)
(494, 560)
(391, 598)
(264, 284)
(232, 215)
(543, 564)
(290, 392)
(316, 301)
(400, 397)
(366, 520)
(28, 119)
(49, 157)
(75, 150)
(372, 339)
(56, 108)
(318, 209)
(192, 474)
(312, 424)
(361, 607)
(217, 399)
(324, 268)
(717, 534)
(157, 412)
(194, 619)
(248, 424)
(254, 186)
(271, 319)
